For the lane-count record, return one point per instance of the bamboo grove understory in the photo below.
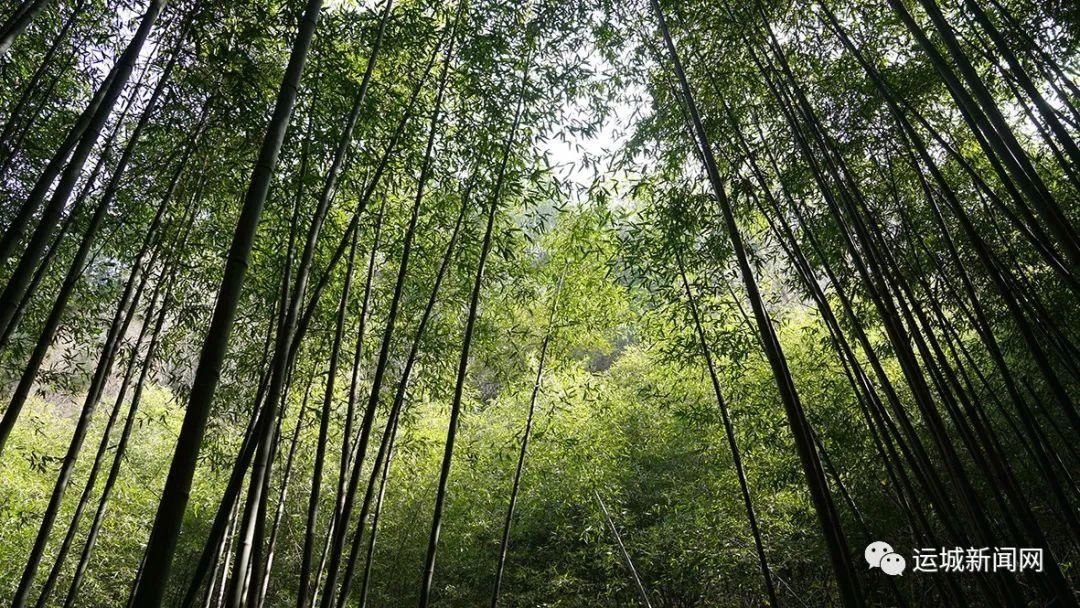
(338, 303)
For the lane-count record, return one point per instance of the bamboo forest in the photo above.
(539, 303)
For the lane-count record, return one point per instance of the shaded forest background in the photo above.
(536, 304)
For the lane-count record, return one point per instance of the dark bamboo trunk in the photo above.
(286, 344)
(466, 340)
(358, 353)
(169, 518)
(729, 430)
(18, 22)
(121, 447)
(835, 539)
(115, 332)
(983, 115)
(303, 592)
(330, 594)
(15, 116)
(303, 589)
(382, 455)
(247, 452)
(369, 558)
(56, 311)
(92, 123)
(504, 543)
(151, 310)
(279, 512)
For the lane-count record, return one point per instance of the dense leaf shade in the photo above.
(347, 303)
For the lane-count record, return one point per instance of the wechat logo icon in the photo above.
(880, 554)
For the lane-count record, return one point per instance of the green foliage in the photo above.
(626, 410)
